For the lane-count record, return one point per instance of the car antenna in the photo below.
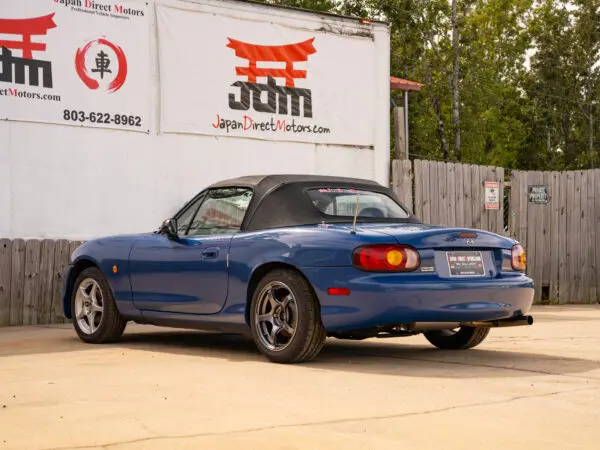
(353, 231)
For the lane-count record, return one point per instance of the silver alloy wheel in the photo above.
(89, 306)
(276, 316)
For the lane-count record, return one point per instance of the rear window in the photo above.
(342, 203)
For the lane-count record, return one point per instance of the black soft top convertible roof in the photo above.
(281, 200)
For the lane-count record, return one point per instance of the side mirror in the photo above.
(169, 228)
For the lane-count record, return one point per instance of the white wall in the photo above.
(79, 183)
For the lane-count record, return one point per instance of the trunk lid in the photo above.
(422, 236)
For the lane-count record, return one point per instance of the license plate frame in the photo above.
(465, 264)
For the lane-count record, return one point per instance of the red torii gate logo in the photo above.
(25, 28)
(277, 99)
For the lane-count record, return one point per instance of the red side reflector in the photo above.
(338, 291)
(467, 235)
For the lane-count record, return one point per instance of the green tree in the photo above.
(564, 81)
(507, 82)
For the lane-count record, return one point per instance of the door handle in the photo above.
(212, 252)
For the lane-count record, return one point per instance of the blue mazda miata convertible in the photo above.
(293, 259)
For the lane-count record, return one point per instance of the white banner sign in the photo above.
(224, 76)
(75, 62)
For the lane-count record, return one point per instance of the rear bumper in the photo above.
(386, 299)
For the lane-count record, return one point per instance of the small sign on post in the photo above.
(538, 194)
(492, 194)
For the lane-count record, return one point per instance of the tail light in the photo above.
(386, 258)
(518, 258)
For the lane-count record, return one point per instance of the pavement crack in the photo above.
(327, 422)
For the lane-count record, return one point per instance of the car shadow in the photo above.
(373, 356)
(412, 357)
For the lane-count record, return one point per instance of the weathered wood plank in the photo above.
(459, 200)
(32, 281)
(427, 197)
(583, 285)
(545, 230)
(61, 262)
(500, 212)
(418, 174)
(591, 232)
(17, 283)
(494, 216)
(572, 230)
(597, 229)
(514, 202)
(476, 196)
(539, 241)
(402, 182)
(491, 214)
(47, 250)
(485, 215)
(396, 178)
(442, 193)
(468, 193)
(531, 235)
(554, 249)
(451, 194)
(563, 224)
(405, 183)
(534, 236)
(5, 276)
(576, 240)
(523, 209)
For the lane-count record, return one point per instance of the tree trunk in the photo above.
(439, 118)
(441, 129)
(455, 83)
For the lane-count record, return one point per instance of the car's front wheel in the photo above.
(95, 315)
(463, 338)
(285, 318)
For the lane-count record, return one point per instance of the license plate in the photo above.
(465, 264)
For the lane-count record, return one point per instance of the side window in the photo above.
(222, 211)
(185, 219)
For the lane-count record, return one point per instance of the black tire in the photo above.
(309, 336)
(466, 337)
(111, 324)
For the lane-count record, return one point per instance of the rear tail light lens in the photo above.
(386, 258)
(518, 258)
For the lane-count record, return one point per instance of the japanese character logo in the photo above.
(106, 62)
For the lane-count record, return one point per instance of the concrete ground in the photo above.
(532, 387)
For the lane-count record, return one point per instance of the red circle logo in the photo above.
(103, 67)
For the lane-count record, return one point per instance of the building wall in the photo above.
(78, 183)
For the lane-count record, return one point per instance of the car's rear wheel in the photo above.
(285, 318)
(96, 318)
(461, 339)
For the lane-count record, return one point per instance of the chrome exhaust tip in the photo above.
(501, 323)
(512, 322)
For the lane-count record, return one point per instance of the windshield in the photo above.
(343, 203)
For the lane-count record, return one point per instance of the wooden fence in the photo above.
(449, 194)
(31, 280)
(560, 235)
(557, 222)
